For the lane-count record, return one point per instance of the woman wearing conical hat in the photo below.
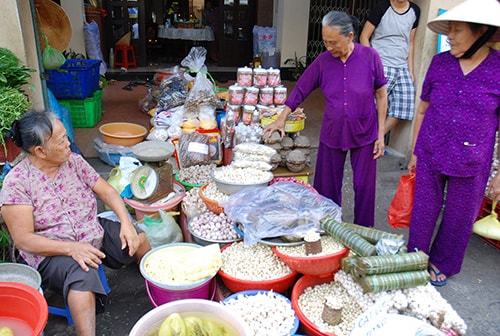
(454, 136)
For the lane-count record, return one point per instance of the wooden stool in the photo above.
(125, 56)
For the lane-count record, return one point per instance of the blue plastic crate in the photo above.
(75, 79)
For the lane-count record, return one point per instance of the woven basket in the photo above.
(211, 204)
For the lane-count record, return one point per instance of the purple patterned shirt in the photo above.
(64, 208)
(459, 126)
(350, 118)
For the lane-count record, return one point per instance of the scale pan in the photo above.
(153, 150)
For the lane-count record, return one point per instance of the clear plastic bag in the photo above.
(281, 209)
(163, 230)
(203, 91)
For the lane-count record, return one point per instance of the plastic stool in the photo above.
(124, 56)
(66, 312)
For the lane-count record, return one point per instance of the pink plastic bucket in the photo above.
(159, 296)
(161, 293)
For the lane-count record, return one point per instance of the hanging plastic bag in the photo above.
(203, 91)
(119, 176)
(52, 58)
(399, 212)
(489, 226)
(163, 230)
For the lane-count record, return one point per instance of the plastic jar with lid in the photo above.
(251, 95)
(280, 93)
(247, 114)
(235, 94)
(244, 76)
(273, 77)
(236, 109)
(266, 96)
(259, 77)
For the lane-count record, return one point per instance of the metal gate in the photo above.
(318, 8)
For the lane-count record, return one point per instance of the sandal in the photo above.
(432, 270)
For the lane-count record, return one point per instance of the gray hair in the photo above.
(33, 129)
(344, 22)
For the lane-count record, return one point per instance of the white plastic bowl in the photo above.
(151, 321)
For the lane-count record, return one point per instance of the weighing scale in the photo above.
(153, 181)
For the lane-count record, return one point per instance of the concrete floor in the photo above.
(473, 293)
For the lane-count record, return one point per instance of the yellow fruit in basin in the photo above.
(6, 331)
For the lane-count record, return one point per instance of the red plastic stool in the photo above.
(125, 56)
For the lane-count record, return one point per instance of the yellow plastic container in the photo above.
(290, 126)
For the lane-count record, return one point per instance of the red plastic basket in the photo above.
(75, 79)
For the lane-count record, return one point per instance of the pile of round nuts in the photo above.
(255, 262)
(192, 203)
(197, 174)
(213, 193)
(266, 313)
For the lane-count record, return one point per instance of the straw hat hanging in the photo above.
(54, 24)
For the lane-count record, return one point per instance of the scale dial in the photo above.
(144, 182)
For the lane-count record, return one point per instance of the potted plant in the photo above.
(299, 64)
(13, 100)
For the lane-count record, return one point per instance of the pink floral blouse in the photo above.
(64, 208)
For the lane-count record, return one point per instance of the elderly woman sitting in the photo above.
(49, 207)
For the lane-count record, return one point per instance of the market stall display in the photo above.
(273, 232)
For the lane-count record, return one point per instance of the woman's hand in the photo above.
(278, 125)
(85, 255)
(412, 165)
(378, 148)
(129, 237)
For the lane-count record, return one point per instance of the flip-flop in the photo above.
(436, 282)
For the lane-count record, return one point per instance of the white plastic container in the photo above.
(152, 320)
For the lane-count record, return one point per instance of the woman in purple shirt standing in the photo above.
(351, 78)
(454, 136)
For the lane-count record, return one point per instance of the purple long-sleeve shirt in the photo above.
(350, 118)
(459, 126)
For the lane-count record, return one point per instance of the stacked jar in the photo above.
(256, 87)
(255, 91)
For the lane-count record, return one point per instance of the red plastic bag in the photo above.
(399, 212)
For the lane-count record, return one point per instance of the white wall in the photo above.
(75, 11)
(19, 38)
(292, 19)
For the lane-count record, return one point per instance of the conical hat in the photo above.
(485, 12)
(54, 24)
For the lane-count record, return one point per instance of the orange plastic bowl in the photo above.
(323, 265)
(279, 285)
(300, 286)
(122, 133)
